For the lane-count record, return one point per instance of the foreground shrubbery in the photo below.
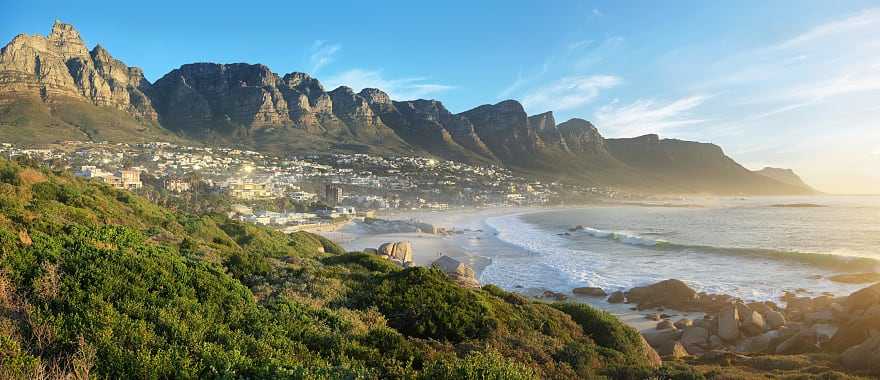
(99, 282)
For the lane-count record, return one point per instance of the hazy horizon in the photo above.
(771, 86)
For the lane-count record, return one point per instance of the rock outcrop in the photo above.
(400, 251)
(457, 271)
(846, 326)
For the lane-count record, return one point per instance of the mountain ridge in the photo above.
(54, 88)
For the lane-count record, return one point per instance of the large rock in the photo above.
(863, 299)
(854, 332)
(617, 297)
(863, 357)
(457, 271)
(752, 323)
(661, 338)
(589, 291)
(673, 350)
(802, 342)
(399, 251)
(695, 339)
(758, 344)
(651, 355)
(728, 324)
(774, 319)
(668, 293)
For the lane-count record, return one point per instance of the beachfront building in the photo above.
(129, 179)
(177, 185)
(247, 190)
(333, 193)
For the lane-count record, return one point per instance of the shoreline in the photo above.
(476, 243)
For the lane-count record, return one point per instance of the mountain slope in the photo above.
(99, 281)
(53, 88)
(786, 176)
(694, 167)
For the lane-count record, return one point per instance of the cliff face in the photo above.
(60, 67)
(504, 128)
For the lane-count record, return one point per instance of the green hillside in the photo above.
(97, 282)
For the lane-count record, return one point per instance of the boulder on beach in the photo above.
(695, 339)
(803, 341)
(863, 357)
(400, 251)
(668, 293)
(752, 323)
(774, 319)
(758, 344)
(617, 297)
(661, 338)
(457, 271)
(728, 324)
(591, 291)
(683, 323)
(665, 324)
(863, 299)
(554, 295)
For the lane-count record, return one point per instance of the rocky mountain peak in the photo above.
(581, 136)
(375, 96)
(302, 82)
(543, 121)
(67, 41)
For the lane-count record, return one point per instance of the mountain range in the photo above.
(54, 88)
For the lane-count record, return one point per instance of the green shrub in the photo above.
(478, 366)
(423, 303)
(606, 330)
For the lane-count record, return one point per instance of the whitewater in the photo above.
(755, 249)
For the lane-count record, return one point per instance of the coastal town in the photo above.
(312, 190)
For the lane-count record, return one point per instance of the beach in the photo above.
(617, 247)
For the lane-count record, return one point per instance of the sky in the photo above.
(792, 84)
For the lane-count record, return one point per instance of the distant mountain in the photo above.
(53, 88)
(694, 167)
(787, 176)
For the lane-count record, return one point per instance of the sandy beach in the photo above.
(474, 245)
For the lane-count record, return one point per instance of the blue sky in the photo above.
(782, 83)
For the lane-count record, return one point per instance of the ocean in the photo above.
(753, 248)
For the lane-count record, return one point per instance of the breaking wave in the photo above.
(823, 260)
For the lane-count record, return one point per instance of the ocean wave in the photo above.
(823, 260)
(622, 237)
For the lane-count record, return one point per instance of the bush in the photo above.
(478, 366)
(423, 303)
(363, 261)
(606, 330)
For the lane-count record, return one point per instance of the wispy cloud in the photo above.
(648, 115)
(398, 89)
(577, 56)
(597, 12)
(568, 92)
(865, 18)
(322, 54)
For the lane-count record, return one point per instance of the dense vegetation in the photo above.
(98, 282)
